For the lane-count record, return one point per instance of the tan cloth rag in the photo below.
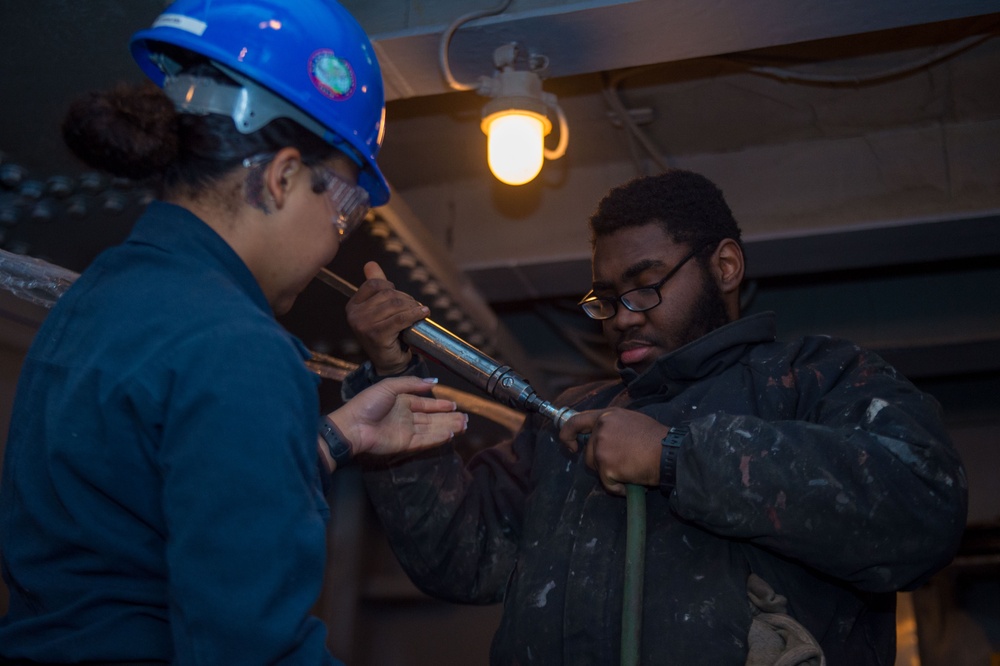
(775, 638)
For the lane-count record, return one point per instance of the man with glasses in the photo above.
(792, 487)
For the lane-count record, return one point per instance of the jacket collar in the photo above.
(177, 230)
(708, 355)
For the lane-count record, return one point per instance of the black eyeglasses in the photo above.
(639, 299)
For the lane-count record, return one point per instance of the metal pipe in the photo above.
(483, 372)
(330, 367)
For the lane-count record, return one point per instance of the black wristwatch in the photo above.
(671, 444)
(339, 449)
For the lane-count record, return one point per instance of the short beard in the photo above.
(709, 311)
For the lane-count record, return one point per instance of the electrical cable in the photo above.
(611, 95)
(446, 40)
(618, 109)
(560, 148)
(634, 132)
(879, 75)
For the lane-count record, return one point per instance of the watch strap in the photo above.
(671, 445)
(336, 443)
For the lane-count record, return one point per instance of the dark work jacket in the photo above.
(161, 500)
(812, 464)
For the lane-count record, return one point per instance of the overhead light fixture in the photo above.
(516, 119)
(516, 122)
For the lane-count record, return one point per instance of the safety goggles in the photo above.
(639, 299)
(350, 202)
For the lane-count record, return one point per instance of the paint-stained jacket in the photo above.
(812, 464)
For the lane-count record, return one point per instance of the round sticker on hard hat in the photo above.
(332, 76)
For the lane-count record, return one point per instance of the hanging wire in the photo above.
(446, 40)
(634, 132)
(878, 75)
(560, 149)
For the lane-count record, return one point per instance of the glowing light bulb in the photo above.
(514, 148)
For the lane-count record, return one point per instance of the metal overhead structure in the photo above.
(596, 36)
(824, 180)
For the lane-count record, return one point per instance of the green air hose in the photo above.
(635, 566)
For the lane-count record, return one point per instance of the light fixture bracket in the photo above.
(515, 91)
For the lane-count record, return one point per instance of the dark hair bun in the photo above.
(129, 131)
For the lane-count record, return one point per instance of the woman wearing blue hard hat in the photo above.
(161, 498)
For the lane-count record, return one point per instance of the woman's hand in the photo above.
(388, 418)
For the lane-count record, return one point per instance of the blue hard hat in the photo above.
(312, 54)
